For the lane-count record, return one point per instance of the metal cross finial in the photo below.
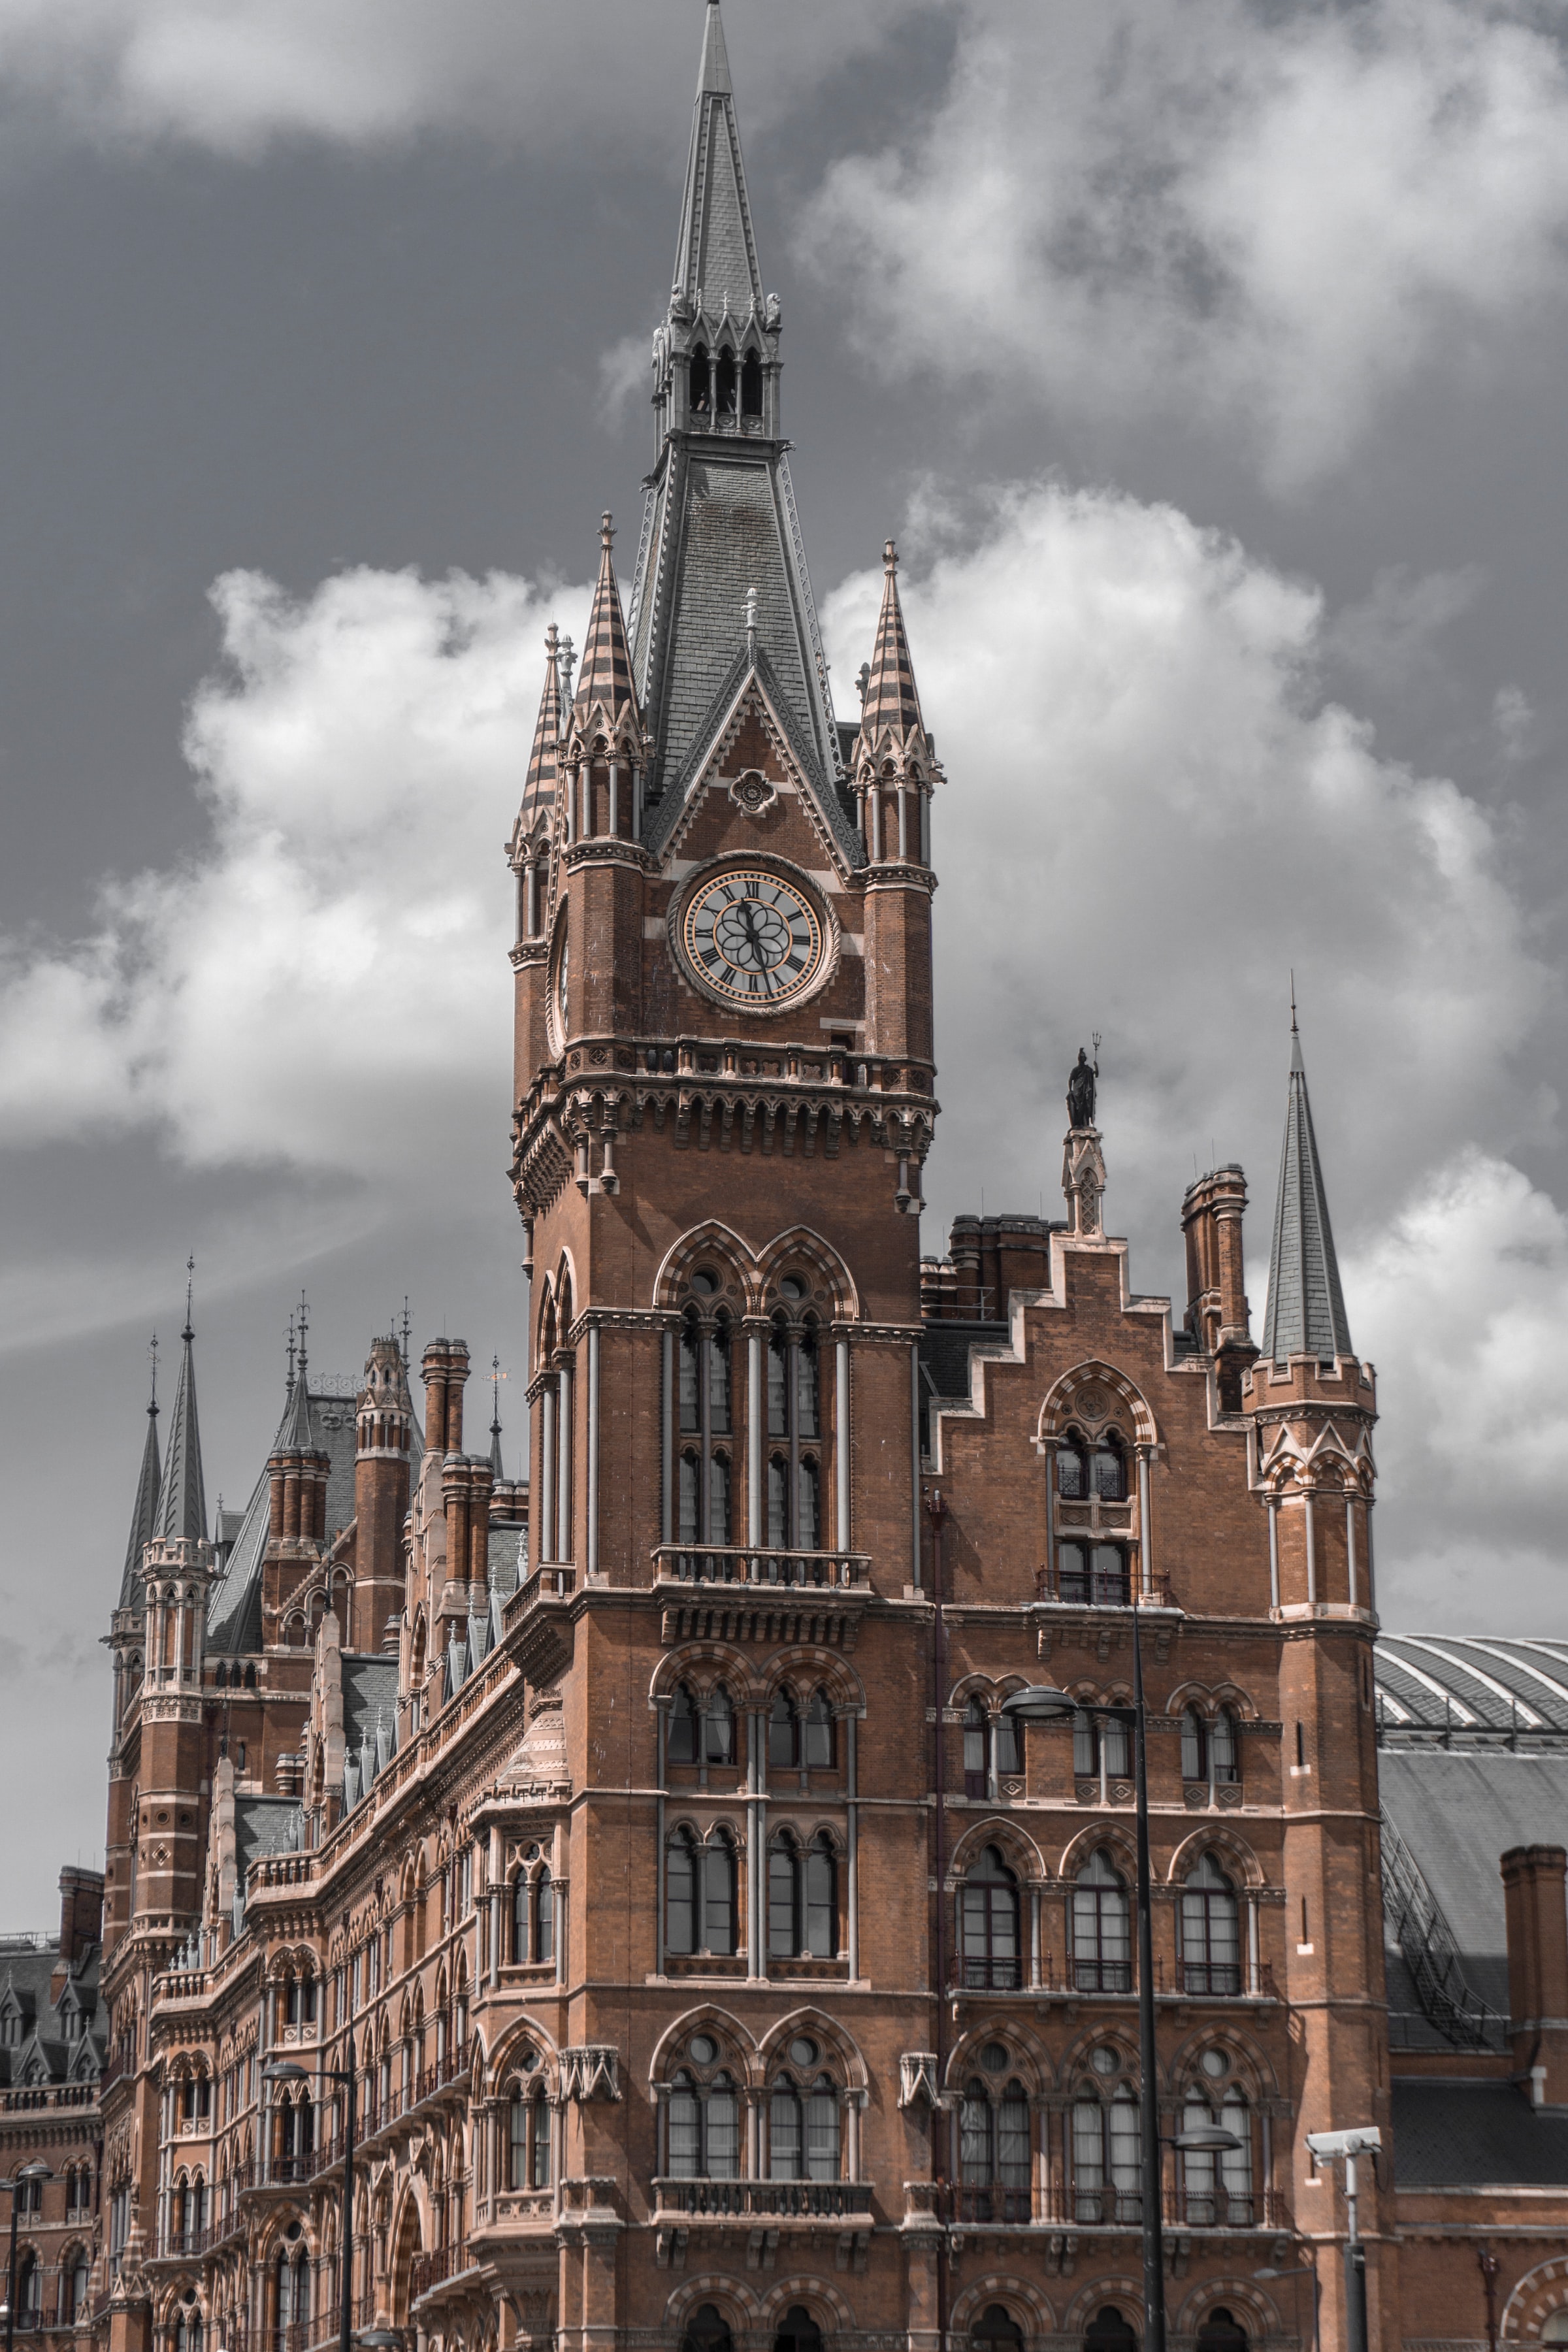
(152, 1352)
(304, 1322)
(190, 1284)
(405, 1331)
(1293, 1002)
(291, 1349)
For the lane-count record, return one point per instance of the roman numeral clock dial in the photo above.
(751, 936)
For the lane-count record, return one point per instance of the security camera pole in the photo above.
(1345, 2146)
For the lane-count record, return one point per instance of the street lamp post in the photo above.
(287, 2070)
(1041, 1705)
(36, 2171)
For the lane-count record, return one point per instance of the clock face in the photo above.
(753, 937)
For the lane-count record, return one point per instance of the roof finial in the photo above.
(406, 1327)
(1292, 1001)
(606, 531)
(752, 619)
(152, 1353)
(303, 1318)
(566, 657)
(497, 1376)
(889, 555)
(289, 1349)
(188, 1333)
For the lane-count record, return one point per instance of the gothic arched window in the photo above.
(1102, 1927)
(798, 2331)
(996, 2331)
(988, 1924)
(795, 1422)
(1107, 1468)
(1106, 2157)
(724, 395)
(993, 2155)
(750, 386)
(700, 1894)
(1098, 1747)
(701, 383)
(703, 1491)
(784, 1730)
(544, 1918)
(818, 1732)
(1216, 2183)
(1210, 1930)
(803, 2129)
(703, 2129)
(803, 1899)
(1072, 1468)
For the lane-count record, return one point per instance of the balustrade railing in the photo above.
(741, 1564)
(791, 2198)
(436, 2267)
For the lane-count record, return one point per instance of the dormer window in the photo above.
(10, 2029)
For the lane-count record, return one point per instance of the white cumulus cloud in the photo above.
(1266, 220)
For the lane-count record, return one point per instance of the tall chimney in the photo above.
(1536, 1909)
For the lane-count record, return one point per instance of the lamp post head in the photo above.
(1206, 2136)
(1039, 1704)
(284, 2069)
(37, 2170)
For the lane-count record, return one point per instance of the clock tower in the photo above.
(723, 953)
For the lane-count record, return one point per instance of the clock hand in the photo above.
(750, 921)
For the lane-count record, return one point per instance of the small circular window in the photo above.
(704, 2049)
(792, 1288)
(1105, 2060)
(527, 2060)
(705, 1282)
(994, 2058)
(803, 2051)
(1215, 2063)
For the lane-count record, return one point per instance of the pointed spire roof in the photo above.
(716, 256)
(606, 676)
(298, 1434)
(539, 790)
(144, 1512)
(1306, 1306)
(183, 1504)
(891, 699)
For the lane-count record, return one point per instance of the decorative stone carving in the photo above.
(591, 2071)
(917, 2077)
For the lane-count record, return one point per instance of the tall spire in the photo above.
(539, 790)
(298, 1433)
(721, 516)
(1306, 1306)
(144, 1512)
(183, 1504)
(891, 700)
(604, 680)
(716, 258)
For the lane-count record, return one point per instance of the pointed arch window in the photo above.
(1099, 1748)
(528, 2136)
(804, 2141)
(79, 2274)
(544, 1918)
(751, 386)
(994, 2151)
(803, 1899)
(700, 1894)
(795, 1432)
(725, 385)
(1102, 1927)
(1210, 1749)
(1216, 2183)
(997, 2331)
(1106, 2156)
(703, 1497)
(701, 381)
(707, 2331)
(1210, 1930)
(988, 1938)
(703, 2129)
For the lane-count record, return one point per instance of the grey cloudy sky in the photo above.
(1208, 362)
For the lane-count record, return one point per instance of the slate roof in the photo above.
(720, 520)
(234, 1609)
(1306, 1314)
(143, 1514)
(891, 699)
(182, 1502)
(508, 1560)
(262, 1826)
(43, 2054)
(539, 789)
(606, 676)
(1474, 2136)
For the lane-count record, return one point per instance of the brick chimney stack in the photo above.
(1536, 1907)
(384, 1425)
(81, 1921)
(445, 1370)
